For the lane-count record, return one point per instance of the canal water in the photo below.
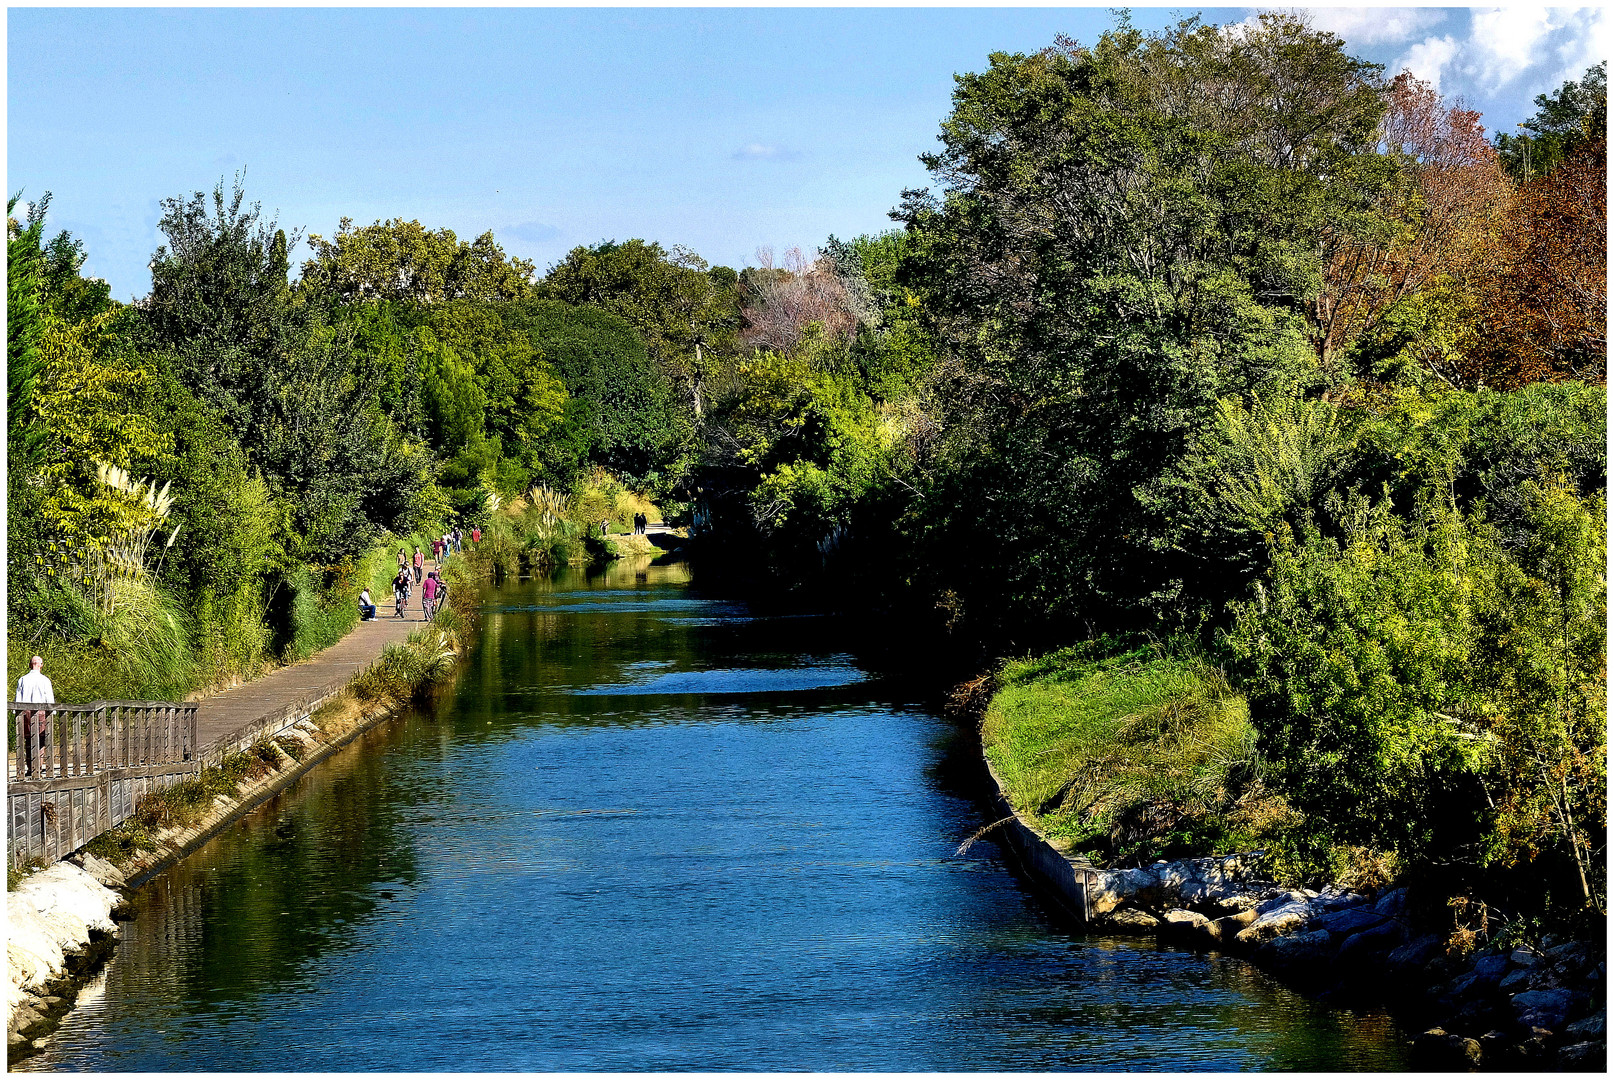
(648, 828)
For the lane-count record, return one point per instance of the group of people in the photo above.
(641, 522)
(412, 571)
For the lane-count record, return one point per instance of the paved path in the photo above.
(221, 715)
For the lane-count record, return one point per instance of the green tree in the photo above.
(1574, 116)
(685, 310)
(403, 260)
(1125, 235)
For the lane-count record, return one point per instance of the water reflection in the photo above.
(531, 876)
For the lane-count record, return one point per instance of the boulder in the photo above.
(1517, 982)
(1275, 923)
(1297, 950)
(1490, 969)
(1416, 953)
(1592, 1027)
(1190, 928)
(1112, 888)
(1349, 921)
(1392, 903)
(1336, 898)
(1523, 958)
(1228, 926)
(1584, 1057)
(1132, 920)
(1542, 1008)
(1440, 1050)
(1366, 948)
(1282, 898)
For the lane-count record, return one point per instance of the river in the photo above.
(647, 828)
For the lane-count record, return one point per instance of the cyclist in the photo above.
(400, 591)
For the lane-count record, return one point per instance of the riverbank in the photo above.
(1498, 1003)
(273, 739)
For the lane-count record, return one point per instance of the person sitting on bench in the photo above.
(366, 608)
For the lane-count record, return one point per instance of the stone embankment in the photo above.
(59, 928)
(1499, 1008)
(1502, 1008)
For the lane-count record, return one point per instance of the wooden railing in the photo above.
(77, 770)
(54, 741)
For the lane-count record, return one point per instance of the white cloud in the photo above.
(1376, 25)
(1430, 58)
(765, 152)
(1506, 42)
(533, 232)
(1524, 49)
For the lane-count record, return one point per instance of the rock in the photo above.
(1416, 953)
(14, 1040)
(1516, 982)
(1112, 888)
(101, 870)
(1131, 919)
(1228, 926)
(1584, 1057)
(1190, 928)
(1349, 921)
(1461, 985)
(1275, 923)
(1336, 898)
(1439, 1050)
(1367, 948)
(1282, 898)
(1524, 958)
(1593, 1027)
(1392, 903)
(1543, 1001)
(1298, 949)
(1490, 969)
(1572, 956)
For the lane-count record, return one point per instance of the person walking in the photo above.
(403, 559)
(34, 689)
(428, 595)
(459, 540)
(476, 535)
(400, 592)
(420, 564)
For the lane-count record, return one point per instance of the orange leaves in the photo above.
(1546, 307)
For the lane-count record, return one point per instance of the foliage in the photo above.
(402, 260)
(1564, 122)
(686, 312)
(1403, 676)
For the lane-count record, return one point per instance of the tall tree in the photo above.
(1576, 114)
(403, 260)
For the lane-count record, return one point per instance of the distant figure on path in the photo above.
(34, 689)
(428, 595)
(605, 526)
(403, 559)
(476, 535)
(459, 540)
(366, 606)
(400, 591)
(437, 549)
(420, 564)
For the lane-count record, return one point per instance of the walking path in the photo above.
(229, 716)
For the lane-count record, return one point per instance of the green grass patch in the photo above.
(1129, 752)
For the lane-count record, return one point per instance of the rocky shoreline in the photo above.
(1498, 1008)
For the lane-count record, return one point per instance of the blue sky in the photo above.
(719, 129)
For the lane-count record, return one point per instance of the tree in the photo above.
(402, 260)
(1546, 305)
(1576, 114)
(673, 299)
(1437, 220)
(1125, 235)
(816, 298)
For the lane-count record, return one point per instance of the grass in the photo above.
(1129, 753)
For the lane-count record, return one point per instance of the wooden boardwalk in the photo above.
(236, 717)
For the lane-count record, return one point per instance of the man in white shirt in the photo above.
(34, 689)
